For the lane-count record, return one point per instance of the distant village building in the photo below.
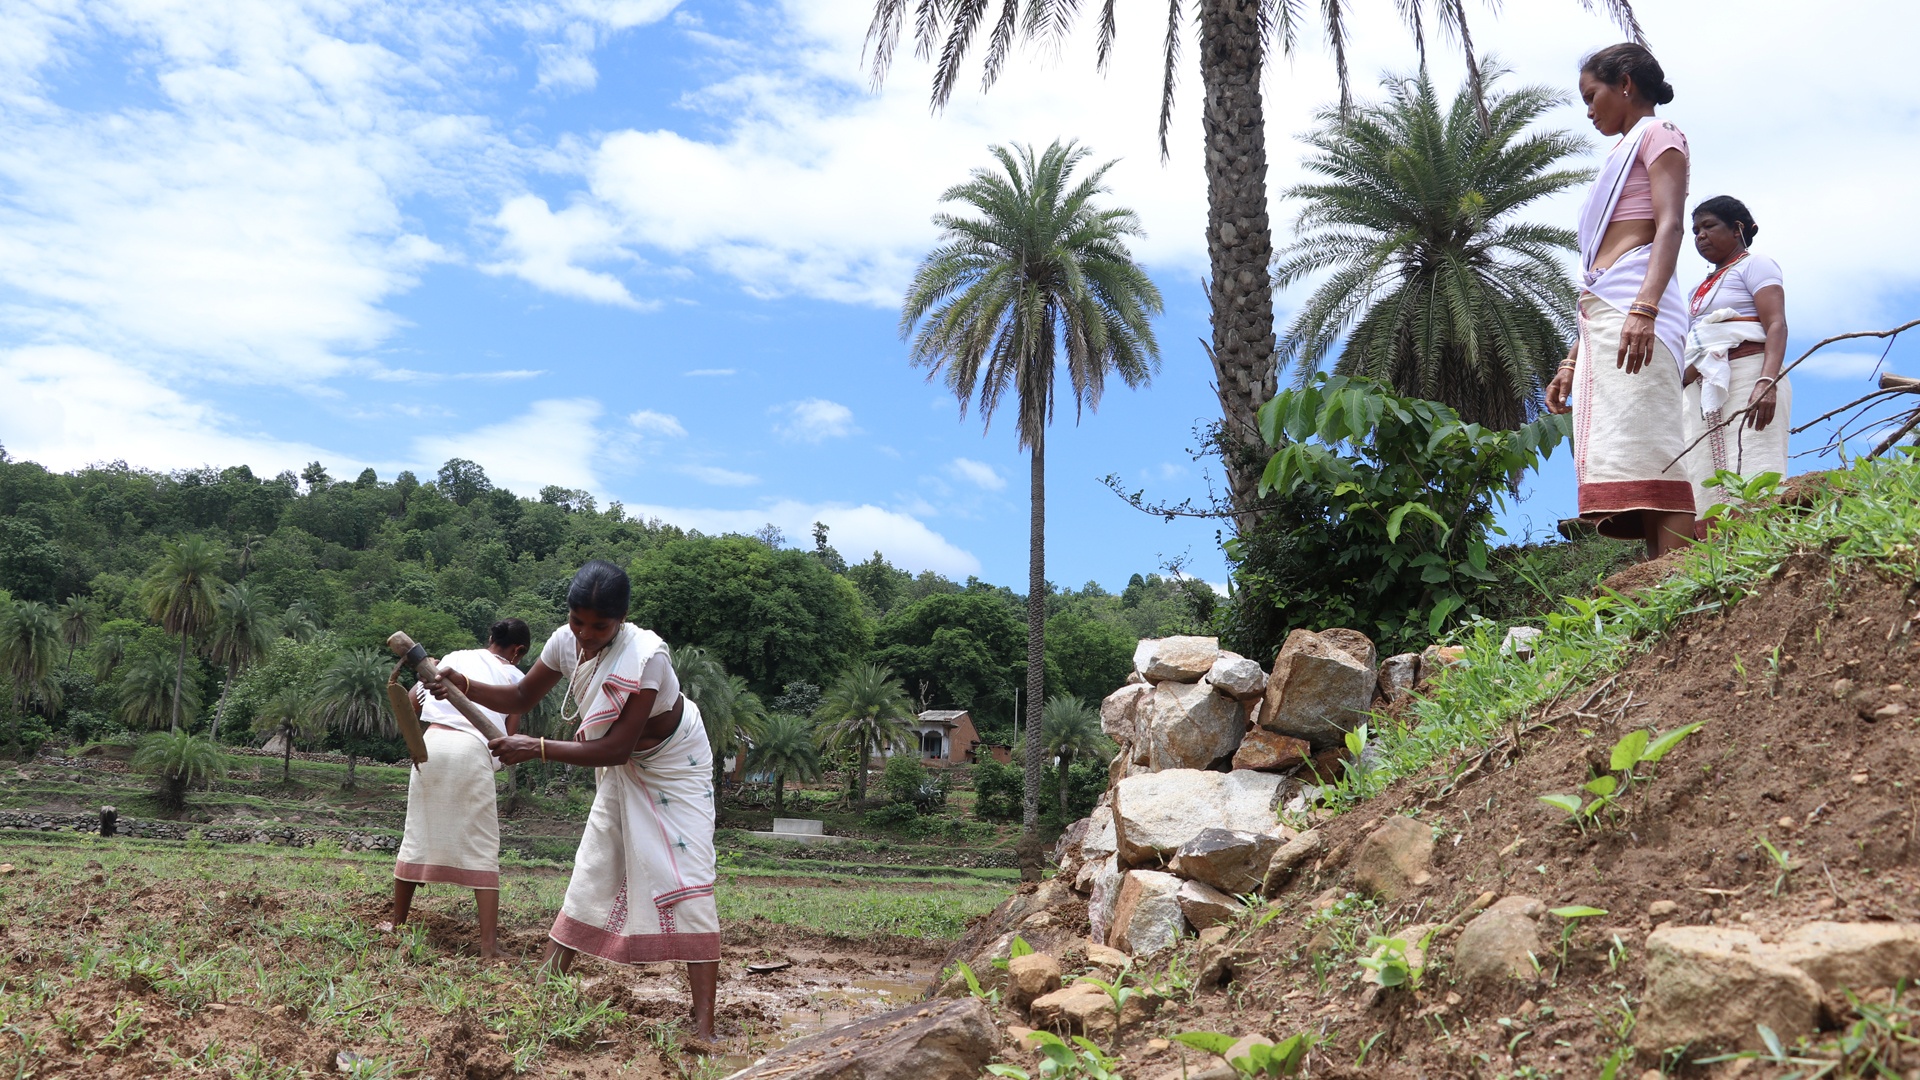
(943, 737)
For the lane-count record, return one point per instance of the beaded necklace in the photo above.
(1699, 298)
(582, 675)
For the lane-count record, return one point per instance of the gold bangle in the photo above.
(543, 748)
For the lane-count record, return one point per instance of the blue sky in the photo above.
(655, 250)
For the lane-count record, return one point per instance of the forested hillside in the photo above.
(307, 568)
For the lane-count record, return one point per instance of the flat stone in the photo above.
(1393, 859)
(1206, 907)
(1232, 861)
(950, 1039)
(1079, 1007)
(1497, 947)
(1663, 909)
(1156, 813)
(1031, 976)
(1711, 987)
(1267, 752)
(1105, 957)
(1399, 674)
(1853, 956)
(1319, 691)
(1519, 641)
(1189, 726)
(1120, 712)
(1291, 856)
(1147, 919)
(1237, 677)
(1176, 659)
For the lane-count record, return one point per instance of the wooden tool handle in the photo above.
(415, 657)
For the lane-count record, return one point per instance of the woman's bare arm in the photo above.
(1668, 174)
(628, 732)
(521, 697)
(1770, 303)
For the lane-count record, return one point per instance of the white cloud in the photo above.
(905, 540)
(710, 474)
(813, 420)
(554, 442)
(708, 373)
(648, 422)
(408, 375)
(542, 248)
(1840, 365)
(978, 473)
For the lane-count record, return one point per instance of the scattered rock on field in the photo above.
(1710, 987)
(1436, 659)
(1156, 813)
(1393, 858)
(1399, 675)
(1318, 690)
(1853, 956)
(1497, 946)
(1663, 909)
(1308, 845)
(1147, 918)
(1519, 641)
(1267, 752)
(943, 1040)
(1230, 860)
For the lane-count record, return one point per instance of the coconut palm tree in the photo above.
(1072, 729)
(78, 620)
(1040, 274)
(29, 638)
(788, 748)
(301, 622)
(180, 760)
(732, 713)
(108, 656)
(351, 698)
(867, 712)
(148, 693)
(1237, 38)
(241, 633)
(244, 552)
(1440, 294)
(288, 714)
(180, 596)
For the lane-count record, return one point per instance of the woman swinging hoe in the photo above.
(642, 886)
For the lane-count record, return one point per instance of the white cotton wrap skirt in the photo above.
(1719, 444)
(642, 886)
(1627, 429)
(453, 826)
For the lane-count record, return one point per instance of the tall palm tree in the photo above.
(241, 633)
(1072, 729)
(788, 748)
(1040, 273)
(732, 713)
(148, 693)
(78, 620)
(111, 652)
(290, 715)
(351, 698)
(866, 711)
(180, 596)
(29, 639)
(301, 622)
(1445, 296)
(1237, 38)
(244, 552)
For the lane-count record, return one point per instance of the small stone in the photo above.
(1786, 822)
(1663, 909)
(1392, 857)
(1859, 778)
(1214, 935)
(1519, 641)
(1154, 1046)
(1031, 976)
(1526, 1009)
(1399, 675)
(1842, 688)
(1106, 957)
(1497, 947)
(1890, 711)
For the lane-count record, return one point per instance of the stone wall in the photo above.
(274, 833)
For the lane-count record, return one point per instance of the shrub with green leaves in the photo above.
(180, 760)
(1381, 507)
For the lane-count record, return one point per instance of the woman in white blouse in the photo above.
(1735, 349)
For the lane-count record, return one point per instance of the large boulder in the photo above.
(1155, 814)
(1709, 988)
(942, 1040)
(1393, 858)
(1176, 659)
(1147, 919)
(1231, 860)
(1237, 677)
(1120, 712)
(1267, 752)
(1321, 687)
(1188, 726)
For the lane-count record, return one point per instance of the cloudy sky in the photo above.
(655, 249)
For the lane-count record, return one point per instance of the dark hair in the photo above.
(602, 588)
(1617, 62)
(1733, 212)
(510, 632)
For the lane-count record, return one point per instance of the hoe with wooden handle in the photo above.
(415, 657)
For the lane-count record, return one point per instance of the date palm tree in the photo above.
(787, 748)
(78, 621)
(867, 712)
(148, 694)
(1236, 39)
(180, 760)
(181, 596)
(1040, 276)
(29, 639)
(241, 633)
(732, 713)
(1440, 294)
(351, 698)
(1072, 729)
(290, 715)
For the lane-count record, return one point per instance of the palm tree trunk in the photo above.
(220, 710)
(352, 757)
(286, 754)
(779, 792)
(179, 682)
(1036, 632)
(860, 773)
(1239, 236)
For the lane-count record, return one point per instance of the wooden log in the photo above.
(1890, 381)
(415, 657)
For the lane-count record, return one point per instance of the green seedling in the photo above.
(1016, 950)
(991, 997)
(1635, 748)
(1570, 917)
(1060, 1061)
(1745, 490)
(1389, 962)
(1782, 861)
(1279, 1059)
(1118, 992)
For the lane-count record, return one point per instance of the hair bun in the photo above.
(1661, 93)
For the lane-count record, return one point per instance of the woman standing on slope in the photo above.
(642, 885)
(1734, 353)
(1623, 374)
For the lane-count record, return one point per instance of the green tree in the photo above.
(1072, 729)
(1438, 292)
(351, 698)
(290, 716)
(241, 633)
(865, 711)
(787, 748)
(1093, 657)
(29, 639)
(732, 713)
(1041, 275)
(956, 650)
(180, 596)
(1237, 39)
(149, 693)
(772, 617)
(78, 620)
(180, 760)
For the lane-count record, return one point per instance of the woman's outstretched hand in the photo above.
(515, 749)
(1559, 391)
(1636, 344)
